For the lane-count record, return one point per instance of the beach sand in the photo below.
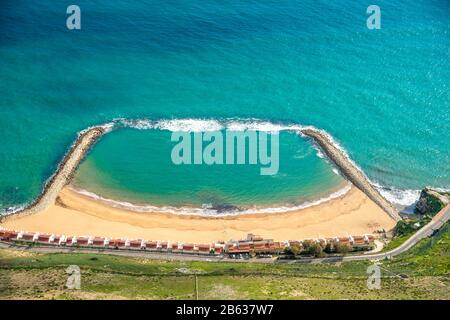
(75, 214)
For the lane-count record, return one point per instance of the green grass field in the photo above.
(422, 273)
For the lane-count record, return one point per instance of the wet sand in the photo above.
(75, 214)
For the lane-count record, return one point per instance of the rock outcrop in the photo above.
(431, 201)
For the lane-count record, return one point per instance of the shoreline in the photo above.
(342, 190)
(88, 137)
(75, 214)
(350, 170)
(63, 174)
(360, 210)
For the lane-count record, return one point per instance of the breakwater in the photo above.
(63, 173)
(89, 136)
(350, 171)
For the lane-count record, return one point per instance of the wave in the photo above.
(208, 209)
(402, 197)
(12, 210)
(204, 125)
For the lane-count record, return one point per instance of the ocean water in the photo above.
(382, 94)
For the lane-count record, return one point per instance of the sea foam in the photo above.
(206, 209)
(393, 195)
(396, 196)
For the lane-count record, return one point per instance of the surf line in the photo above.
(88, 137)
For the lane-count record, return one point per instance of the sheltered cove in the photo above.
(90, 136)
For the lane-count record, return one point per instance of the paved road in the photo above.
(127, 253)
(435, 224)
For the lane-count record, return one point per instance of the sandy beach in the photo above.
(61, 210)
(75, 214)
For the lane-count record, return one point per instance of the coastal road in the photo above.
(428, 230)
(435, 224)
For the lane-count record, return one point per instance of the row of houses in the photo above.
(107, 243)
(252, 245)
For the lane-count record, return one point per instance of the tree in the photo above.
(402, 228)
(307, 245)
(330, 247)
(316, 250)
(294, 250)
(343, 248)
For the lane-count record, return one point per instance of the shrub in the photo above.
(316, 250)
(293, 250)
(343, 248)
(403, 228)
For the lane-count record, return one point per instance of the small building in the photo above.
(151, 245)
(82, 241)
(98, 242)
(188, 248)
(44, 238)
(135, 244)
(204, 248)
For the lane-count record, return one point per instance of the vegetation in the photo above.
(342, 248)
(431, 202)
(293, 250)
(404, 229)
(315, 249)
(421, 273)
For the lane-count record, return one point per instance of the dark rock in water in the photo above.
(431, 202)
(224, 208)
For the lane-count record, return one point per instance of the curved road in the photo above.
(428, 230)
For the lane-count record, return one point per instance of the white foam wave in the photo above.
(393, 195)
(257, 125)
(400, 197)
(203, 125)
(191, 125)
(444, 190)
(109, 126)
(141, 124)
(207, 209)
(12, 210)
(307, 204)
(396, 196)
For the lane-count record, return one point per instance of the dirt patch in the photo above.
(223, 292)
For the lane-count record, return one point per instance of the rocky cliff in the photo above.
(431, 201)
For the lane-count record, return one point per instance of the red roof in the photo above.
(204, 247)
(43, 237)
(98, 241)
(28, 236)
(135, 243)
(151, 244)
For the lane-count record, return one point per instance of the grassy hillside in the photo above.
(422, 273)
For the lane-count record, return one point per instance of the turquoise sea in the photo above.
(383, 95)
